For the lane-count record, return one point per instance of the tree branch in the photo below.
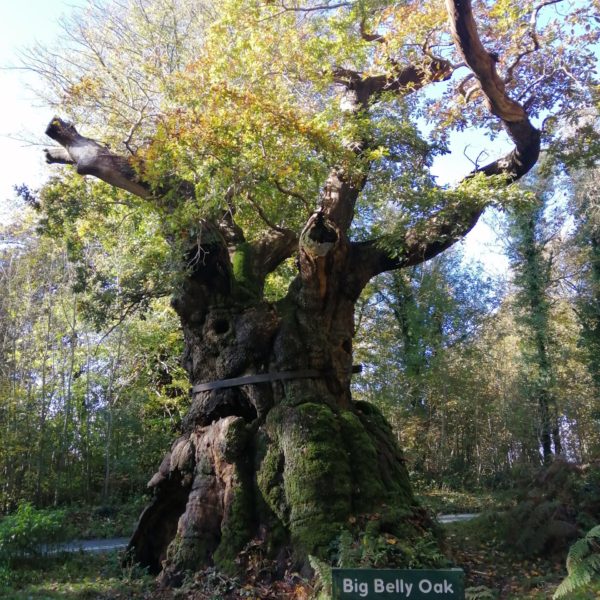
(339, 193)
(512, 114)
(419, 244)
(321, 7)
(449, 225)
(91, 158)
(58, 156)
(403, 79)
(370, 37)
(292, 194)
(272, 249)
(308, 9)
(263, 215)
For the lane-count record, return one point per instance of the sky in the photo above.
(24, 121)
(21, 25)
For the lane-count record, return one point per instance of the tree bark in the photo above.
(287, 464)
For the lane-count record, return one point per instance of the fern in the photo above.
(578, 551)
(323, 577)
(347, 553)
(594, 532)
(583, 563)
(481, 592)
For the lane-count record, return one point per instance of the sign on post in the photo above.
(398, 584)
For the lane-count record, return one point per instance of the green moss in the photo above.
(238, 522)
(204, 465)
(270, 480)
(367, 487)
(320, 470)
(236, 440)
(393, 472)
(187, 553)
(237, 528)
(270, 499)
(247, 284)
(316, 476)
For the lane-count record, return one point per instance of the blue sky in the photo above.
(22, 24)
(24, 118)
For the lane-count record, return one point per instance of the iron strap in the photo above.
(264, 378)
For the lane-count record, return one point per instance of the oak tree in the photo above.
(273, 141)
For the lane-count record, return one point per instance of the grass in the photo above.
(80, 576)
(493, 569)
(75, 577)
(454, 502)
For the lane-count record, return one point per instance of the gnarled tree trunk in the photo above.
(288, 461)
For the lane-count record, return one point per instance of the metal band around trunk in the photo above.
(264, 378)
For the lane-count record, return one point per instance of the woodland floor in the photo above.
(496, 573)
(492, 570)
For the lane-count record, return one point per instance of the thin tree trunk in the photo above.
(43, 410)
(111, 399)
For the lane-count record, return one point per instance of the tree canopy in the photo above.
(266, 111)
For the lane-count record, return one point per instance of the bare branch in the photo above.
(468, 92)
(535, 42)
(452, 223)
(91, 158)
(527, 92)
(533, 20)
(477, 161)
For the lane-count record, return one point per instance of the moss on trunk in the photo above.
(291, 468)
(315, 484)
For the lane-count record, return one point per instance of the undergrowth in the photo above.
(583, 565)
(106, 520)
(29, 531)
(75, 577)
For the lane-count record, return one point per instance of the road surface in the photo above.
(87, 546)
(454, 518)
(121, 543)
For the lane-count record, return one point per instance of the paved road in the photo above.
(121, 543)
(454, 518)
(88, 546)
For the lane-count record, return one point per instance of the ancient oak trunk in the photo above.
(286, 462)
